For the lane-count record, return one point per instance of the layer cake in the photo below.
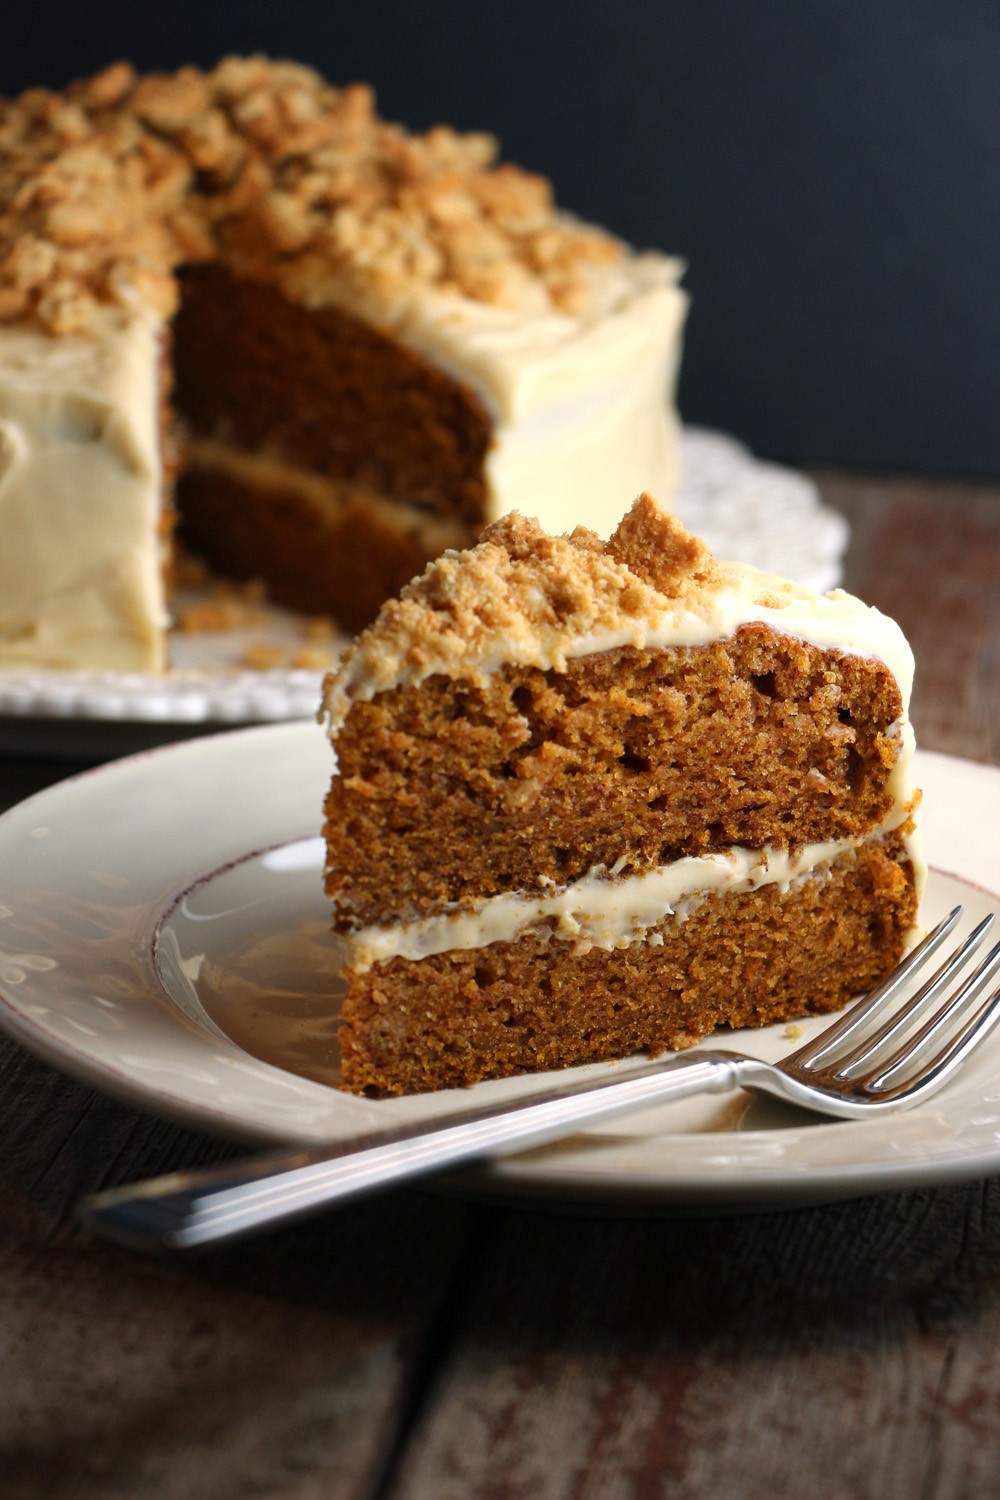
(597, 797)
(357, 345)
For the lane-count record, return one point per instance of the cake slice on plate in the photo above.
(593, 798)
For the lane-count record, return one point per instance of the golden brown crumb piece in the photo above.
(215, 614)
(740, 959)
(311, 659)
(319, 628)
(654, 545)
(190, 572)
(262, 656)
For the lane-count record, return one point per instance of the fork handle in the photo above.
(185, 1209)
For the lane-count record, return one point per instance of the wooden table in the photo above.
(421, 1348)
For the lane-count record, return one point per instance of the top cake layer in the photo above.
(526, 598)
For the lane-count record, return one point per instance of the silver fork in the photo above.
(870, 1060)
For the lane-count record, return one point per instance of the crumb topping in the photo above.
(522, 597)
(108, 187)
(653, 543)
(524, 594)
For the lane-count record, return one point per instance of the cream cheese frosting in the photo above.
(599, 911)
(582, 404)
(80, 497)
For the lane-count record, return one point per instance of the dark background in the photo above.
(829, 168)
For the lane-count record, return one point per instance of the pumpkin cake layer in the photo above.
(399, 329)
(300, 425)
(319, 546)
(735, 959)
(631, 757)
(592, 797)
(325, 392)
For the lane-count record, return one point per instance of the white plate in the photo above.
(133, 910)
(745, 509)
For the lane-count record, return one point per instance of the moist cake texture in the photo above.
(597, 797)
(376, 342)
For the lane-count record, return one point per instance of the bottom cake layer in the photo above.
(324, 547)
(740, 958)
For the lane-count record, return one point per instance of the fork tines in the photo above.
(903, 1055)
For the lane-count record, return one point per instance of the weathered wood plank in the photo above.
(928, 553)
(280, 1367)
(841, 1351)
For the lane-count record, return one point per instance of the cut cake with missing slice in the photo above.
(595, 797)
(353, 346)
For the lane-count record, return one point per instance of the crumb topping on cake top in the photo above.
(522, 596)
(109, 186)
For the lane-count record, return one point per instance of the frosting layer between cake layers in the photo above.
(603, 912)
(600, 911)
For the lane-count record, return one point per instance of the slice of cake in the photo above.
(597, 797)
(360, 346)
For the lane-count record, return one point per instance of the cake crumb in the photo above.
(318, 628)
(521, 584)
(793, 1031)
(312, 659)
(652, 543)
(111, 185)
(215, 614)
(262, 656)
(248, 590)
(189, 572)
